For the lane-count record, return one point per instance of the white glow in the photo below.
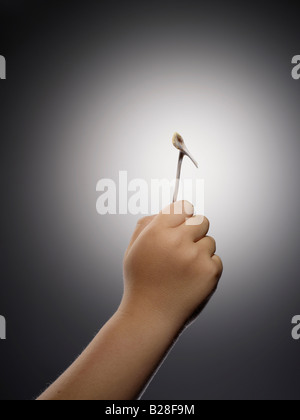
(233, 119)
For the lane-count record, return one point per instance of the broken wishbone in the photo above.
(178, 142)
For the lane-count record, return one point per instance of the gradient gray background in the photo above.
(95, 89)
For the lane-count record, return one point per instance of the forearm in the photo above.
(170, 270)
(120, 360)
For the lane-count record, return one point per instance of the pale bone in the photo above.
(178, 142)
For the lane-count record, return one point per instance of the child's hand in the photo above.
(170, 270)
(170, 266)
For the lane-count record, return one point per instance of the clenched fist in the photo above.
(170, 266)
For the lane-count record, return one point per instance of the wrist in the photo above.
(153, 320)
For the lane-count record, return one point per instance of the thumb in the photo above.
(141, 225)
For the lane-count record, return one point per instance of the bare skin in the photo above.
(170, 271)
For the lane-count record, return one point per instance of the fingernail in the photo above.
(188, 208)
(195, 221)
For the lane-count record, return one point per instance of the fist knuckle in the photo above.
(206, 222)
(212, 241)
(210, 269)
(215, 271)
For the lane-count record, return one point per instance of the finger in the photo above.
(219, 264)
(141, 225)
(176, 213)
(196, 227)
(208, 244)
